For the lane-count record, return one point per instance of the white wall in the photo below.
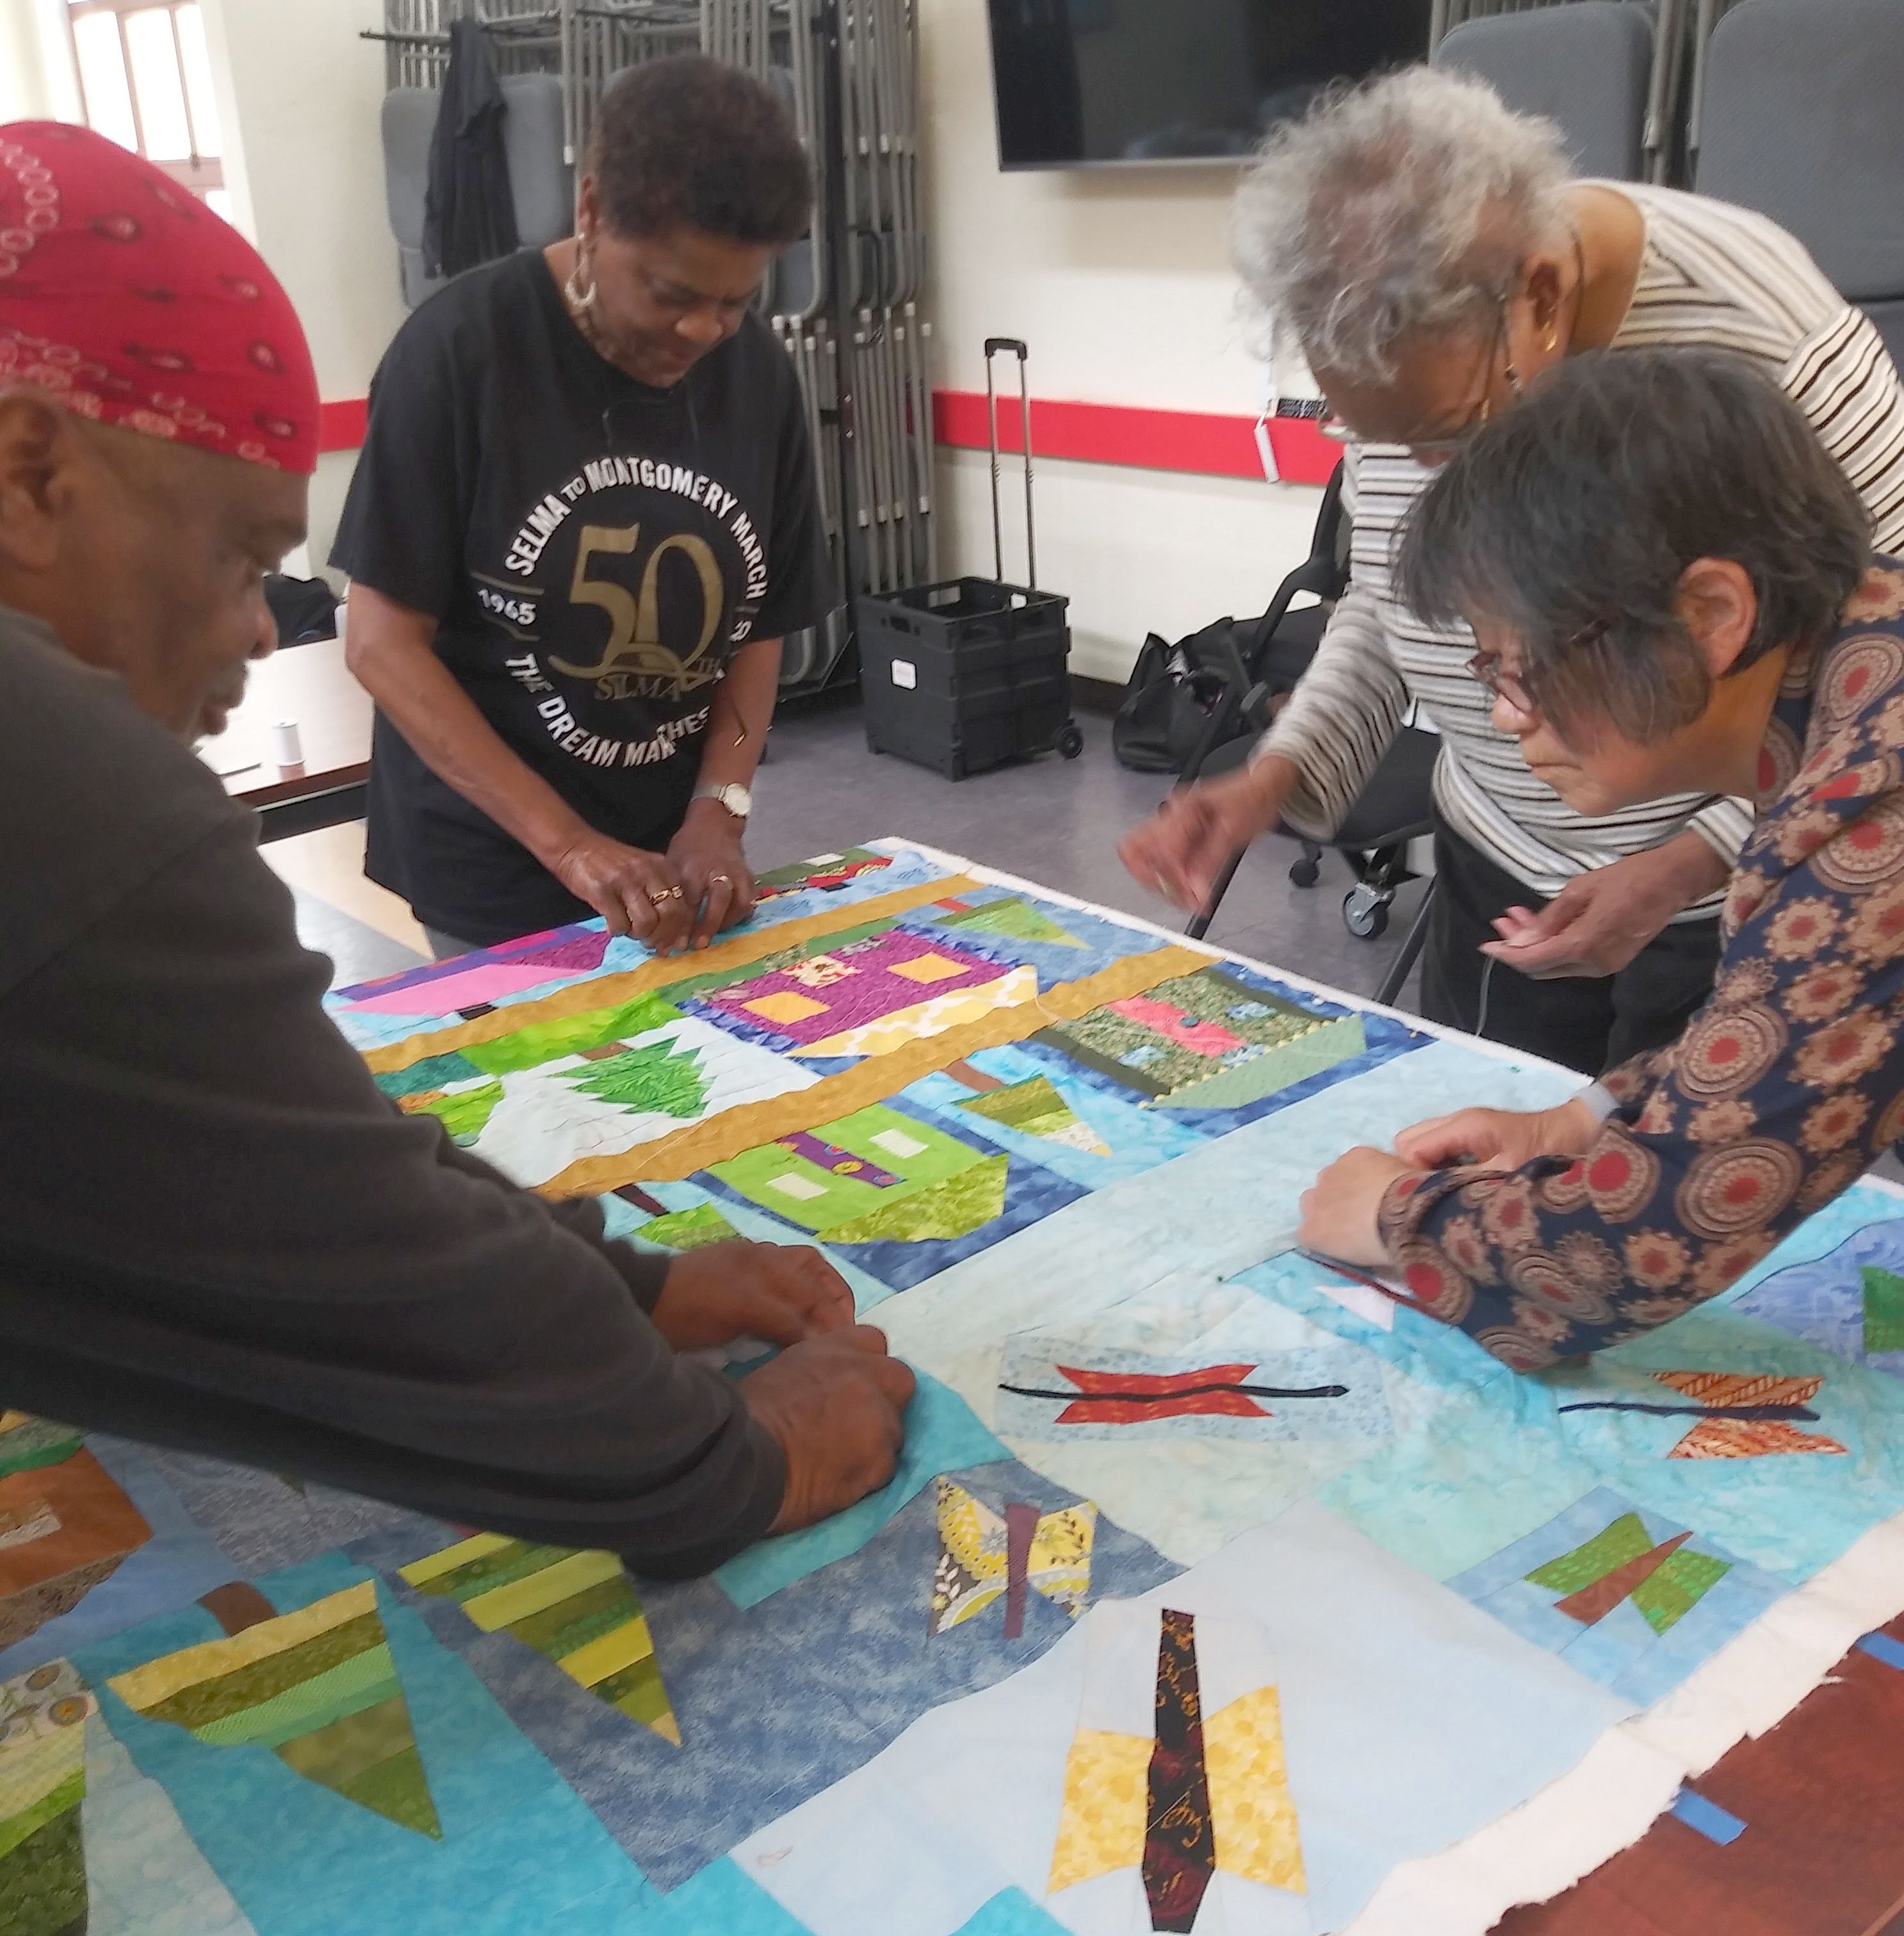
(27, 90)
(300, 95)
(1120, 281)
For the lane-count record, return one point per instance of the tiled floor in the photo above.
(1051, 820)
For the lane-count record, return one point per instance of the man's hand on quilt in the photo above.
(1339, 1209)
(1598, 922)
(778, 1293)
(635, 892)
(837, 1405)
(1180, 851)
(1502, 1138)
(719, 886)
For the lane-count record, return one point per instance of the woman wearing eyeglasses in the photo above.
(1672, 588)
(1432, 255)
(585, 515)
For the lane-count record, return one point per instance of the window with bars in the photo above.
(145, 78)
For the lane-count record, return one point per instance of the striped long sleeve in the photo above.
(1711, 275)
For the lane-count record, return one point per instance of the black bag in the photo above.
(303, 609)
(1175, 693)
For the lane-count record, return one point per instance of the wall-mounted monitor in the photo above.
(1081, 83)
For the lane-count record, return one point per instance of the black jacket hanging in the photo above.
(469, 212)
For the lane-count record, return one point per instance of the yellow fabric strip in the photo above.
(146, 1687)
(654, 978)
(419, 1572)
(503, 1605)
(1106, 1801)
(717, 1138)
(608, 1654)
(35, 1769)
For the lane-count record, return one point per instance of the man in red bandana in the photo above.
(214, 1233)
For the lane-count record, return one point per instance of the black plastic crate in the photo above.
(965, 675)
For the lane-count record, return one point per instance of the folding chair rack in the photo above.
(845, 303)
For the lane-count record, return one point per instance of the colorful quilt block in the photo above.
(1054, 1781)
(857, 1172)
(1628, 1598)
(853, 1666)
(1209, 1040)
(1849, 1302)
(43, 1879)
(886, 973)
(1188, 1411)
(1773, 1445)
(578, 1112)
(324, 1751)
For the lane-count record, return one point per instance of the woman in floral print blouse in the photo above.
(1672, 589)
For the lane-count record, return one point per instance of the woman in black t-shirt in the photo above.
(584, 517)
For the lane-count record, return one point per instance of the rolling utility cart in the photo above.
(964, 675)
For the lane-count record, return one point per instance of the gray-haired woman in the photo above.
(1431, 254)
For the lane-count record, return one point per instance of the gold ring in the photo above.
(661, 895)
(725, 880)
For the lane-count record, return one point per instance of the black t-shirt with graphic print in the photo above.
(593, 550)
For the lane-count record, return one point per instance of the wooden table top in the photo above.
(310, 685)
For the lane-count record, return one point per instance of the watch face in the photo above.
(736, 800)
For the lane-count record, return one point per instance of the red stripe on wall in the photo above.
(341, 426)
(1141, 439)
(1191, 441)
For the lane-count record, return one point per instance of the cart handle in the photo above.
(995, 345)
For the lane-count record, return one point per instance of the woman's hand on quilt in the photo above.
(635, 892)
(837, 1405)
(1339, 1209)
(778, 1293)
(1502, 1138)
(1182, 850)
(705, 854)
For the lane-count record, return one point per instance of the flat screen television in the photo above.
(1080, 83)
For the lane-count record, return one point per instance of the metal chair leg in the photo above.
(1199, 922)
(1418, 935)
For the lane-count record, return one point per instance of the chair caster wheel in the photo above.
(1364, 913)
(1070, 741)
(1304, 873)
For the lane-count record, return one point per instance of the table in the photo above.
(1453, 1636)
(311, 685)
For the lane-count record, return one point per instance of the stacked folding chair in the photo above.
(1611, 72)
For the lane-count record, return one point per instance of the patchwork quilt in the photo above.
(1215, 1591)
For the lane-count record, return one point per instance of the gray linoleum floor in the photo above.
(1051, 820)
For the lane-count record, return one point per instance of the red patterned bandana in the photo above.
(127, 297)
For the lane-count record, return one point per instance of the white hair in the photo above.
(1402, 207)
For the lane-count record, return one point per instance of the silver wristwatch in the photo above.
(737, 799)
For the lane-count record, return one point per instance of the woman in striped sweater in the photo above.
(1432, 255)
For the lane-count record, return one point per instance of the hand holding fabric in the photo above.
(780, 1293)
(836, 1405)
(1339, 1209)
(1598, 922)
(1501, 1138)
(635, 892)
(716, 881)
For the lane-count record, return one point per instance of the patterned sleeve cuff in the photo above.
(1403, 1204)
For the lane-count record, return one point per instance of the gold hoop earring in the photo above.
(1552, 339)
(579, 298)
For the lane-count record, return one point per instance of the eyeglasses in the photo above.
(1503, 684)
(1481, 412)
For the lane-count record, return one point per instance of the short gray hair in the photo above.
(1401, 208)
